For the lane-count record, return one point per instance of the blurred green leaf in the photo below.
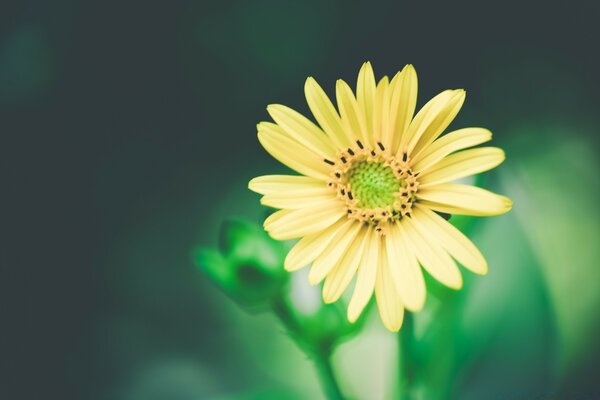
(554, 185)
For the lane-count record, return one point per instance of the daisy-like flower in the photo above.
(373, 180)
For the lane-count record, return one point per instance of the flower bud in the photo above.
(248, 266)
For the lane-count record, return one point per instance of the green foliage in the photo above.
(556, 188)
(247, 266)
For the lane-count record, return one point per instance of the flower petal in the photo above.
(331, 256)
(431, 120)
(405, 270)
(338, 280)
(454, 198)
(403, 100)
(365, 277)
(302, 130)
(291, 153)
(365, 96)
(310, 247)
(451, 239)
(389, 301)
(431, 255)
(381, 110)
(352, 118)
(464, 163)
(300, 200)
(449, 143)
(325, 113)
(292, 192)
(291, 224)
(287, 184)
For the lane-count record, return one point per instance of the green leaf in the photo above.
(556, 195)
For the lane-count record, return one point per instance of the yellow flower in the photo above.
(373, 178)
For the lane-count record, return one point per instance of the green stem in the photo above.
(282, 310)
(321, 354)
(324, 368)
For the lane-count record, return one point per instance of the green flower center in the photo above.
(373, 184)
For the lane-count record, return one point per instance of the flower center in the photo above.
(373, 183)
(377, 188)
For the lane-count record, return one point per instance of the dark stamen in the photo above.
(359, 144)
(338, 175)
(350, 196)
(343, 159)
(404, 157)
(329, 162)
(373, 153)
(343, 192)
(350, 152)
(380, 146)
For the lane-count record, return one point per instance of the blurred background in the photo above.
(128, 134)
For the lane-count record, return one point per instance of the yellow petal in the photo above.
(310, 247)
(389, 301)
(365, 96)
(381, 110)
(325, 113)
(288, 184)
(299, 200)
(451, 239)
(291, 224)
(449, 143)
(431, 120)
(365, 277)
(291, 153)
(333, 253)
(461, 164)
(405, 270)
(302, 130)
(453, 198)
(352, 118)
(403, 100)
(431, 255)
(338, 280)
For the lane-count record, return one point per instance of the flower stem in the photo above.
(324, 368)
(321, 354)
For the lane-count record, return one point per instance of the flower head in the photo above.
(373, 180)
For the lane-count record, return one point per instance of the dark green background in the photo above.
(128, 135)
